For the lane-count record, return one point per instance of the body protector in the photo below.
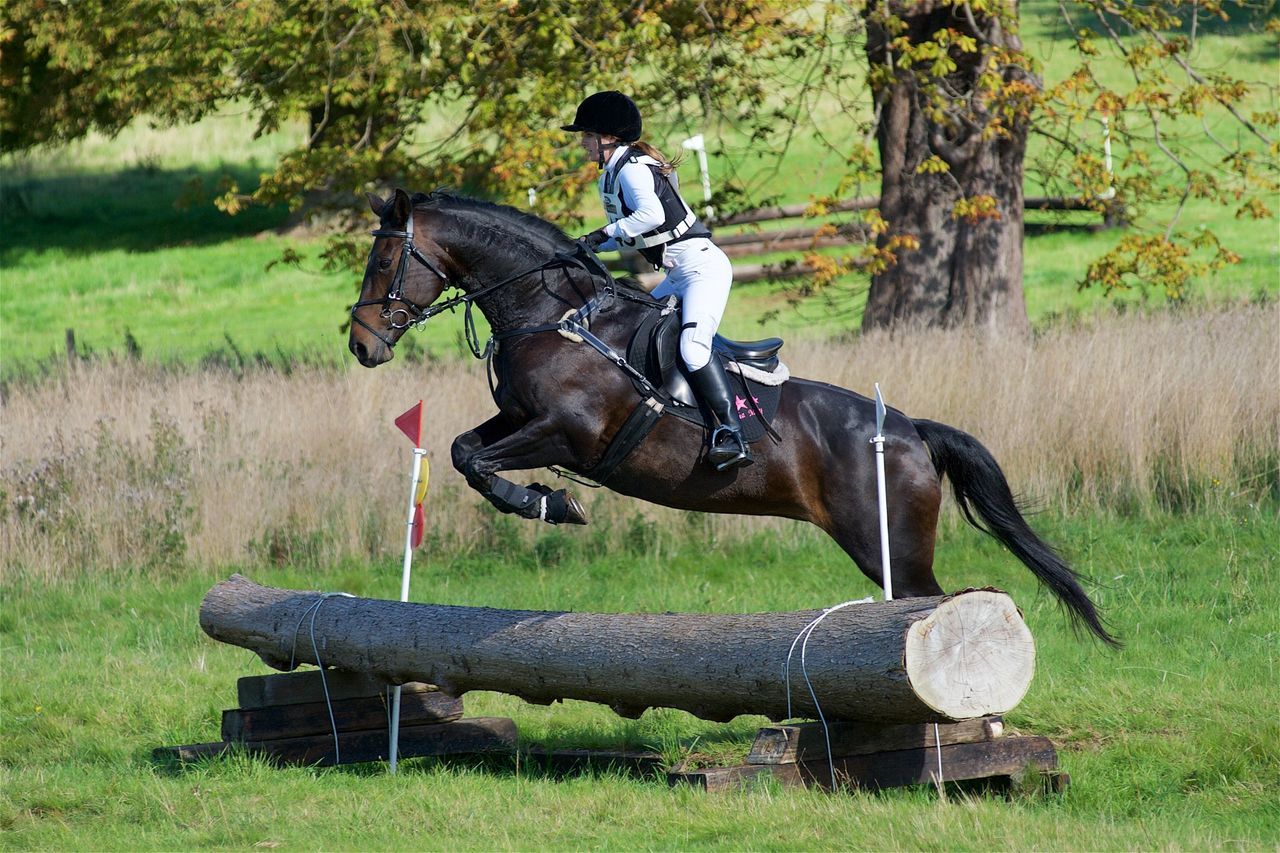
(679, 221)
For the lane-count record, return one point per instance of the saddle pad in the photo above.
(755, 404)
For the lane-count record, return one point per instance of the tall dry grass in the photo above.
(125, 465)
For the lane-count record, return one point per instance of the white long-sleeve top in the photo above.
(635, 184)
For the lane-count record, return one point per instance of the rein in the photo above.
(414, 314)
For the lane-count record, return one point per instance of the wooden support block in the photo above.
(300, 688)
(808, 741)
(349, 715)
(566, 762)
(1002, 757)
(464, 737)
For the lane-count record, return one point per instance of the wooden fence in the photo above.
(745, 244)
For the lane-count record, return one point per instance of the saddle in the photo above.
(755, 373)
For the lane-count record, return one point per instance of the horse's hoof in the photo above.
(574, 513)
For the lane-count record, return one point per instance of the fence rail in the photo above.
(761, 242)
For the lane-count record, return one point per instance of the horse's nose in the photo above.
(359, 351)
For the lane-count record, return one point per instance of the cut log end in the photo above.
(972, 656)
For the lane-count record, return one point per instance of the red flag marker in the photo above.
(410, 423)
(419, 524)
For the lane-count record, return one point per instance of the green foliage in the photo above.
(481, 87)
(470, 95)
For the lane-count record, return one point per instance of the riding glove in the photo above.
(594, 240)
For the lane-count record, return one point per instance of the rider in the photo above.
(642, 202)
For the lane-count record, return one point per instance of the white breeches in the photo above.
(700, 275)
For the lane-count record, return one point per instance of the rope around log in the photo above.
(324, 684)
(806, 632)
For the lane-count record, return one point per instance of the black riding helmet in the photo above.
(608, 113)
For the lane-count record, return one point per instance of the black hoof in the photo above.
(574, 513)
(558, 507)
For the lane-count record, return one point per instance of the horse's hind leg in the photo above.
(914, 496)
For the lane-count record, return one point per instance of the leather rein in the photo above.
(409, 314)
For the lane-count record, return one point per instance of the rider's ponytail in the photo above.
(664, 165)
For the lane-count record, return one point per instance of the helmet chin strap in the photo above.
(606, 146)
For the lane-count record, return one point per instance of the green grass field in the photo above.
(1171, 743)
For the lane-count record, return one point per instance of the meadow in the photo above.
(212, 422)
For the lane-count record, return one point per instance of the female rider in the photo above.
(642, 202)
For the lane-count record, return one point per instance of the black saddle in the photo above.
(655, 351)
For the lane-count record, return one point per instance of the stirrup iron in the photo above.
(723, 456)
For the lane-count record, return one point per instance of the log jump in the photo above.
(914, 660)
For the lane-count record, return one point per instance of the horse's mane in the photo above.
(522, 224)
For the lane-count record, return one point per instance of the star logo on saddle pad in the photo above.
(745, 411)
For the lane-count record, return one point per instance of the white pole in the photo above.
(418, 453)
(1110, 192)
(698, 144)
(878, 441)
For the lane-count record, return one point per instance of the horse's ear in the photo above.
(376, 203)
(399, 206)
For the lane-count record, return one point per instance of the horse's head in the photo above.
(400, 281)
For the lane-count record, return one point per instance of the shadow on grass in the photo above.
(138, 210)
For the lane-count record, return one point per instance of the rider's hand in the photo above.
(594, 240)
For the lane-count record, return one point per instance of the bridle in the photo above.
(414, 314)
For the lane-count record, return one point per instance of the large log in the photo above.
(913, 660)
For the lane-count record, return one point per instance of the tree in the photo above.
(954, 95)
(470, 95)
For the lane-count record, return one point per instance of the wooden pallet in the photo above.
(287, 718)
(885, 756)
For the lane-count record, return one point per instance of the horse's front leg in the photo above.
(496, 446)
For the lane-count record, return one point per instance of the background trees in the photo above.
(945, 109)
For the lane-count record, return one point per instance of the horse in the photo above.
(561, 403)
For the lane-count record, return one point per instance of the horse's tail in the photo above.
(979, 484)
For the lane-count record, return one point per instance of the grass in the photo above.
(1167, 746)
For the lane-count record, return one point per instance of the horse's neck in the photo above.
(533, 298)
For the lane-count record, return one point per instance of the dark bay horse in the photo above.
(560, 403)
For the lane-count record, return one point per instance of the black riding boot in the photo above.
(727, 447)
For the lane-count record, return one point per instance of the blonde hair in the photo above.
(664, 165)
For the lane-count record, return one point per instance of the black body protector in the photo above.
(679, 221)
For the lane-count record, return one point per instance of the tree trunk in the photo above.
(967, 269)
(912, 660)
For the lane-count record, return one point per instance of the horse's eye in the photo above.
(384, 263)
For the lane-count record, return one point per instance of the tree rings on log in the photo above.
(973, 660)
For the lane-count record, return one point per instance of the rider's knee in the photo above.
(695, 343)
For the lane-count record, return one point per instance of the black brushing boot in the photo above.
(727, 447)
